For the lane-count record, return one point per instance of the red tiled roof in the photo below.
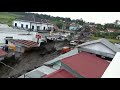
(2, 53)
(86, 64)
(60, 74)
(26, 43)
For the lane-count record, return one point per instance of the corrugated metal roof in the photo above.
(60, 74)
(86, 64)
(26, 43)
(113, 70)
(35, 74)
(2, 53)
(38, 72)
(70, 53)
(103, 41)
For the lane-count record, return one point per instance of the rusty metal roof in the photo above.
(26, 43)
(2, 53)
(60, 74)
(86, 64)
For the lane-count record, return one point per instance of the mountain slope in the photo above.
(8, 17)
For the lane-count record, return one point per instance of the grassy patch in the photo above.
(111, 40)
(7, 17)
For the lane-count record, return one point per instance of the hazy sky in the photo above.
(97, 17)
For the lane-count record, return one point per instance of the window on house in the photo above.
(38, 27)
(32, 27)
(21, 25)
(49, 28)
(15, 24)
(26, 26)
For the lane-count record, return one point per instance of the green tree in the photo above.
(59, 24)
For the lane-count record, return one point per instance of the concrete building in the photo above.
(112, 70)
(81, 65)
(101, 47)
(33, 23)
(74, 26)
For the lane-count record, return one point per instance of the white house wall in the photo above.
(19, 24)
(35, 26)
(113, 70)
(44, 25)
(99, 47)
(32, 24)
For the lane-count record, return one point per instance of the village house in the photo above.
(22, 35)
(74, 26)
(30, 22)
(110, 30)
(101, 47)
(91, 24)
(118, 37)
(81, 65)
(87, 60)
(22, 45)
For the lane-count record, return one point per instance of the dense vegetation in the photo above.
(111, 40)
(108, 25)
(107, 35)
(8, 17)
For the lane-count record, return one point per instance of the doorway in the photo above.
(44, 28)
(6, 41)
(32, 27)
(38, 28)
(15, 24)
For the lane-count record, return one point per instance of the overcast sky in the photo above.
(97, 17)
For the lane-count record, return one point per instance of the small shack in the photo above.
(21, 45)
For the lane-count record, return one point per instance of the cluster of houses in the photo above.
(30, 22)
(93, 59)
(28, 32)
(33, 23)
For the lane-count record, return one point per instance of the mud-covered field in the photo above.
(30, 60)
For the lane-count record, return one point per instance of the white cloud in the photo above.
(98, 17)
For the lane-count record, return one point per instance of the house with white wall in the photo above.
(30, 22)
(100, 47)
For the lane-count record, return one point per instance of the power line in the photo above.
(13, 69)
(8, 66)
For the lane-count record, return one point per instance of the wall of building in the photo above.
(73, 28)
(20, 49)
(99, 47)
(42, 26)
(18, 36)
(19, 24)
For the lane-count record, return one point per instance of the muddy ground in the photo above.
(29, 61)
